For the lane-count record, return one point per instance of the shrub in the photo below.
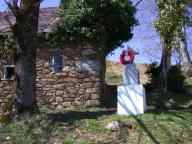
(175, 82)
(153, 71)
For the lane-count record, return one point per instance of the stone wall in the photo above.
(5, 86)
(79, 82)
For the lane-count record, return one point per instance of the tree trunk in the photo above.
(25, 33)
(165, 65)
(103, 71)
(187, 65)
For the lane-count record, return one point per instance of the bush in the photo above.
(153, 71)
(175, 81)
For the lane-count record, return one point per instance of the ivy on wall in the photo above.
(7, 48)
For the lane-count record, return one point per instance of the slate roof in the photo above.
(47, 18)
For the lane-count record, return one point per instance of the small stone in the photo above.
(93, 90)
(92, 103)
(66, 104)
(49, 94)
(59, 99)
(1, 85)
(46, 89)
(67, 69)
(47, 64)
(61, 75)
(72, 74)
(67, 99)
(79, 98)
(97, 84)
(59, 93)
(8, 138)
(69, 79)
(87, 95)
(78, 103)
(95, 96)
(70, 95)
(86, 85)
(72, 90)
(114, 126)
(59, 107)
(55, 103)
(87, 65)
(87, 80)
(81, 91)
(58, 86)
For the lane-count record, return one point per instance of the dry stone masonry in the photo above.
(67, 76)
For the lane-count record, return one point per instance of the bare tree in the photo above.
(187, 65)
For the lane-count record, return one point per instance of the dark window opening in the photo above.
(57, 63)
(8, 71)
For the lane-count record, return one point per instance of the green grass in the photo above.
(168, 120)
(87, 126)
(113, 79)
(188, 86)
(114, 72)
(170, 101)
(189, 81)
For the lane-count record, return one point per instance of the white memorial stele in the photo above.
(131, 99)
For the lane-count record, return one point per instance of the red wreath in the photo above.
(122, 57)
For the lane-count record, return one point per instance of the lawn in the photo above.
(84, 126)
(168, 120)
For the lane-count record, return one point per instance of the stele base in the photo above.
(131, 100)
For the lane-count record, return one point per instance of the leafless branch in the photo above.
(6, 17)
(13, 6)
(38, 2)
(138, 3)
(8, 3)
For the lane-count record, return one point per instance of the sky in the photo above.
(145, 39)
(45, 3)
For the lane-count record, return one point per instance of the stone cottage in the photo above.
(70, 75)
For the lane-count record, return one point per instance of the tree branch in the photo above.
(13, 6)
(38, 1)
(6, 17)
(138, 3)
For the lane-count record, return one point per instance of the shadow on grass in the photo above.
(73, 116)
(170, 101)
(148, 132)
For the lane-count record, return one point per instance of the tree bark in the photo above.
(165, 65)
(103, 72)
(25, 33)
(187, 65)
